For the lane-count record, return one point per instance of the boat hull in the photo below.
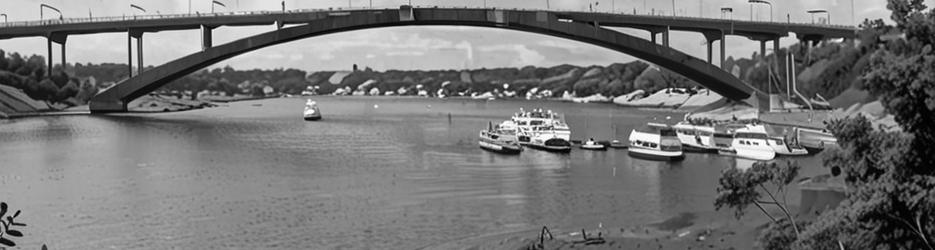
(497, 148)
(556, 149)
(597, 147)
(759, 155)
(312, 118)
(654, 155)
(697, 149)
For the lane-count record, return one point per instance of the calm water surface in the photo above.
(375, 173)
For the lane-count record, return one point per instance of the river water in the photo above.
(396, 173)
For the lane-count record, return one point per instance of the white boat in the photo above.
(655, 142)
(813, 140)
(593, 145)
(782, 147)
(542, 130)
(499, 140)
(750, 142)
(311, 113)
(696, 138)
(618, 144)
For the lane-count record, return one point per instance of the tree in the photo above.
(739, 188)
(890, 197)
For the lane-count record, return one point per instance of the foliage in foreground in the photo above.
(890, 176)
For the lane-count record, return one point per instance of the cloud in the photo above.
(525, 56)
(559, 44)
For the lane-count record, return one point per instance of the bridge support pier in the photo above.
(763, 49)
(129, 55)
(665, 37)
(710, 51)
(723, 48)
(49, 68)
(139, 54)
(206, 37)
(139, 51)
(59, 39)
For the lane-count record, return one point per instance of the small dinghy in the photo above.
(311, 111)
(593, 145)
(618, 144)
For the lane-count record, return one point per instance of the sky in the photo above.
(406, 48)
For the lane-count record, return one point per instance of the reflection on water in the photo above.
(375, 172)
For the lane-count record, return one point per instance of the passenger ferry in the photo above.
(696, 138)
(751, 142)
(656, 142)
(499, 139)
(311, 113)
(542, 130)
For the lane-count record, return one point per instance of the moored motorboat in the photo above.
(618, 144)
(696, 138)
(311, 113)
(551, 144)
(814, 141)
(782, 147)
(542, 130)
(593, 145)
(498, 140)
(655, 142)
(750, 142)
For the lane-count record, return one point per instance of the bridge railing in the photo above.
(72, 20)
(48, 22)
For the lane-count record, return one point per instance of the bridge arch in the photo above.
(116, 98)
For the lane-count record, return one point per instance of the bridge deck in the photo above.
(156, 23)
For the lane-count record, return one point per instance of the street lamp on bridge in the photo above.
(727, 11)
(43, 6)
(813, 12)
(763, 2)
(134, 6)
(215, 2)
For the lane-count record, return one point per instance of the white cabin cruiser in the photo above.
(311, 113)
(751, 142)
(656, 142)
(782, 147)
(696, 138)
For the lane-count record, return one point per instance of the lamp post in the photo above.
(215, 2)
(763, 2)
(813, 12)
(134, 6)
(43, 6)
(673, 7)
(728, 11)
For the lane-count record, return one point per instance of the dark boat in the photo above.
(552, 145)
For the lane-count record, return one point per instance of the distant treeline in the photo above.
(827, 70)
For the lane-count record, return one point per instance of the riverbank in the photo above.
(699, 230)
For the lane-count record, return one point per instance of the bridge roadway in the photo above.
(584, 27)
